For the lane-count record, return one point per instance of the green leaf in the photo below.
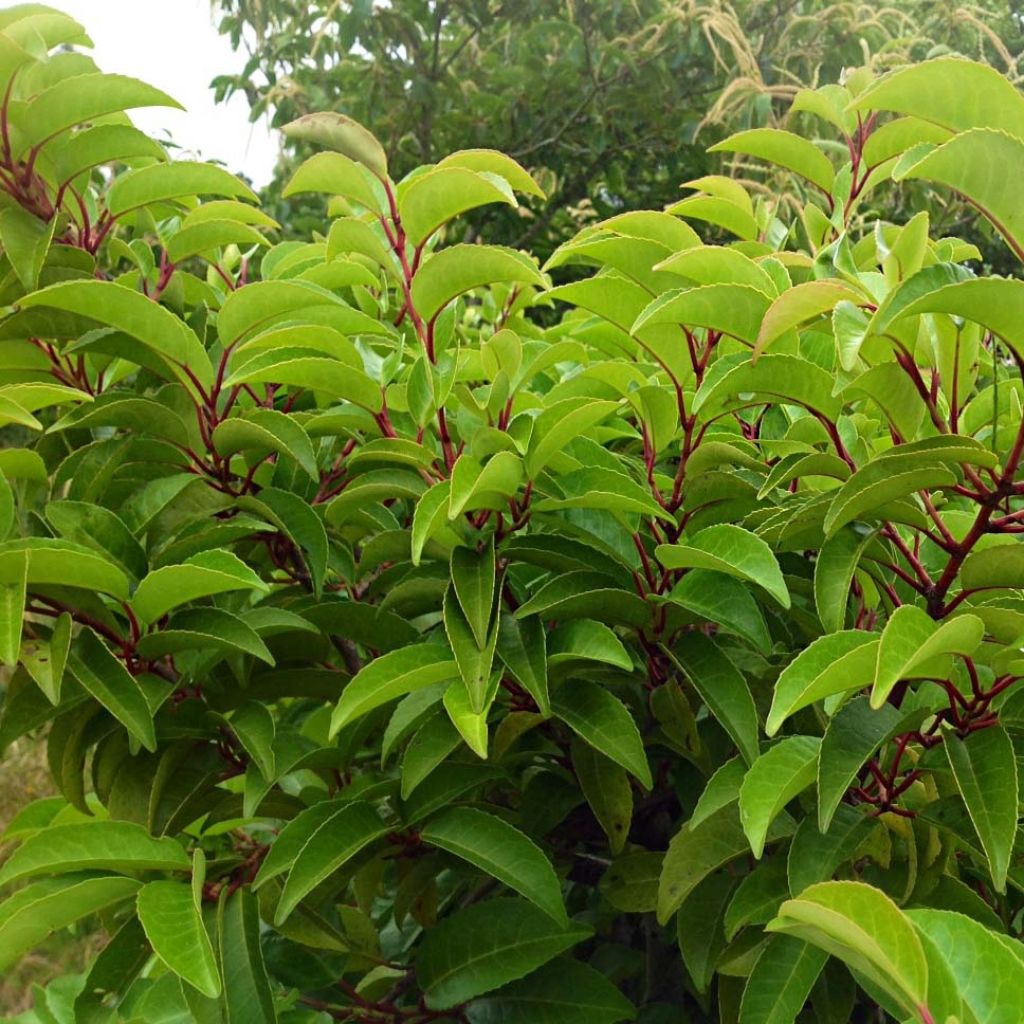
(32, 913)
(170, 181)
(432, 199)
(695, 852)
(432, 743)
(799, 304)
(25, 240)
(586, 595)
(202, 238)
(45, 661)
(61, 563)
(393, 675)
(833, 574)
(562, 992)
(850, 739)
(986, 967)
(723, 599)
(294, 836)
(779, 774)
(782, 148)
(834, 663)
(911, 639)
(174, 927)
(461, 268)
(204, 629)
(486, 945)
(814, 856)
(722, 789)
(12, 612)
(297, 368)
(248, 998)
(699, 927)
(522, 647)
(559, 424)
(730, 549)
(949, 91)
(985, 769)
(473, 577)
(343, 135)
(77, 99)
(781, 981)
(253, 724)
(336, 174)
(202, 575)
(106, 678)
(133, 313)
(101, 845)
(607, 790)
(97, 527)
(993, 568)
(490, 161)
(501, 851)
(965, 164)
(733, 309)
(867, 931)
(336, 841)
(267, 430)
(605, 723)
(722, 687)
(631, 883)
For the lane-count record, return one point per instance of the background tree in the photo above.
(605, 101)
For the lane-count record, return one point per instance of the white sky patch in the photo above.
(174, 45)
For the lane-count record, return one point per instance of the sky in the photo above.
(174, 45)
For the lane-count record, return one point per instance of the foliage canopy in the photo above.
(404, 655)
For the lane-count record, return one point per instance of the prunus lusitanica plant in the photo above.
(416, 641)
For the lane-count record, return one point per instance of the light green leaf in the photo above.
(461, 268)
(174, 927)
(779, 774)
(12, 610)
(730, 549)
(486, 945)
(559, 424)
(25, 240)
(834, 663)
(393, 675)
(120, 846)
(77, 99)
(501, 851)
(911, 639)
(339, 175)
(170, 181)
(833, 574)
(723, 599)
(985, 769)
(202, 575)
(473, 577)
(493, 162)
(799, 304)
(32, 913)
(986, 967)
(861, 926)
(782, 148)
(432, 199)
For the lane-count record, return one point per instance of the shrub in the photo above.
(408, 655)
